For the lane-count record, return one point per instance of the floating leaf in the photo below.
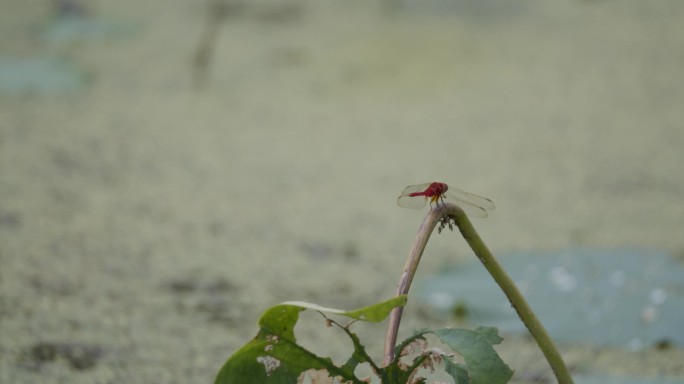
(458, 371)
(374, 313)
(482, 363)
(274, 357)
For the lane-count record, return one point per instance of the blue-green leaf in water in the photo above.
(457, 371)
(482, 363)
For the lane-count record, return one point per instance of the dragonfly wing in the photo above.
(469, 198)
(406, 201)
(415, 202)
(472, 210)
(415, 188)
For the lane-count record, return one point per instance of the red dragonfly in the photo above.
(416, 196)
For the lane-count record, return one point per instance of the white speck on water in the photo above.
(523, 286)
(657, 296)
(635, 345)
(440, 299)
(618, 278)
(649, 314)
(563, 279)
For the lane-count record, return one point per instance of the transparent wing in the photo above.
(472, 204)
(414, 202)
(470, 210)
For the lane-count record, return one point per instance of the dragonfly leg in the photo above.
(437, 200)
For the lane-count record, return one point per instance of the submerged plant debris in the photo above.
(622, 297)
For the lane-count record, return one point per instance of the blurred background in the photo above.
(170, 169)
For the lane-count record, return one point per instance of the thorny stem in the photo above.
(495, 270)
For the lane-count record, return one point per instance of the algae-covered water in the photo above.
(151, 208)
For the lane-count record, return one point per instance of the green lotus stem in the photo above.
(504, 281)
